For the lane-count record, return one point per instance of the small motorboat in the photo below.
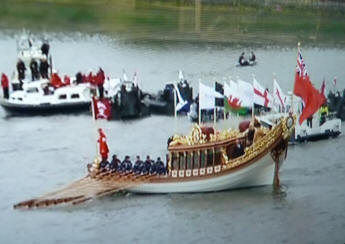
(125, 98)
(249, 63)
(35, 98)
(164, 101)
(128, 102)
(242, 61)
(315, 128)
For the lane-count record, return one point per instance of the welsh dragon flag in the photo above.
(238, 97)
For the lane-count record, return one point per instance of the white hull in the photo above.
(257, 174)
(331, 127)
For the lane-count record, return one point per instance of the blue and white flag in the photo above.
(182, 105)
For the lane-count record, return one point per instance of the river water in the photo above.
(41, 153)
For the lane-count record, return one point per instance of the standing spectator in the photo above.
(99, 81)
(44, 66)
(35, 75)
(45, 49)
(79, 78)
(5, 85)
(21, 73)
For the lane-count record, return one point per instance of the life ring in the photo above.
(196, 134)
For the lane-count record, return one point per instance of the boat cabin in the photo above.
(202, 159)
(38, 92)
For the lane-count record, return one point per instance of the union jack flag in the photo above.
(300, 68)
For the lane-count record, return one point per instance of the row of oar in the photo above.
(98, 185)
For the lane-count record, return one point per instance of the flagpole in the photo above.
(273, 92)
(253, 102)
(94, 120)
(175, 112)
(224, 113)
(199, 110)
(292, 102)
(214, 109)
(229, 111)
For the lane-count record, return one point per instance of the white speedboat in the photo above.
(312, 130)
(37, 97)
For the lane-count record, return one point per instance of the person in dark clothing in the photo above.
(310, 121)
(252, 57)
(126, 164)
(238, 150)
(160, 169)
(170, 139)
(122, 167)
(35, 75)
(45, 49)
(242, 60)
(137, 168)
(250, 135)
(104, 165)
(21, 72)
(147, 165)
(153, 169)
(100, 77)
(44, 66)
(79, 78)
(114, 164)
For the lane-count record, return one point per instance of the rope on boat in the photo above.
(86, 189)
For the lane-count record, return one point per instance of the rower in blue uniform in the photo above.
(114, 164)
(160, 169)
(104, 165)
(137, 168)
(147, 165)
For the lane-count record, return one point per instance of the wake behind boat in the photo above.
(203, 161)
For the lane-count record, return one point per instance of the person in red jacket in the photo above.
(5, 85)
(55, 80)
(103, 146)
(90, 78)
(66, 80)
